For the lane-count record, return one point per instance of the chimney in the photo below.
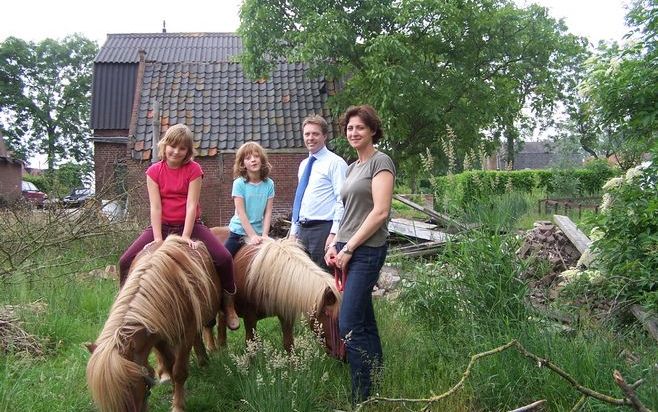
(164, 26)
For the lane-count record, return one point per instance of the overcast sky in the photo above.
(36, 20)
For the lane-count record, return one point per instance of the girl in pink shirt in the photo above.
(174, 188)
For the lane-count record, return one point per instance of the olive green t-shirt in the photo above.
(357, 198)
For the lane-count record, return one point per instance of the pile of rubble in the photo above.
(547, 243)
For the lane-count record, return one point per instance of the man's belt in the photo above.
(311, 223)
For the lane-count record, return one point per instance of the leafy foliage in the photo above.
(476, 186)
(423, 64)
(628, 250)
(621, 85)
(45, 91)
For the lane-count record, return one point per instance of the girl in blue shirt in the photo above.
(253, 194)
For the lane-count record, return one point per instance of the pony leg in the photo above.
(221, 331)
(179, 377)
(209, 338)
(287, 329)
(250, 321)
(165, 357)
(200, 350)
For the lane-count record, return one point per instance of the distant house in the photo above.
(532, 155)
(144, 83)
(11, 172)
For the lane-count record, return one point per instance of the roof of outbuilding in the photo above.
(170, 47)
(224, 109)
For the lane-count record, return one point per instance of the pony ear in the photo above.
(91, 346)
(328, 297)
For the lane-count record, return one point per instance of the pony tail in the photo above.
(110, 377)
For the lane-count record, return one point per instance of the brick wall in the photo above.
(10, 180)
(108, 158)
(216, 202)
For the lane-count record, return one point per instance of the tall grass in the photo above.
(470, 300)
(466, 301)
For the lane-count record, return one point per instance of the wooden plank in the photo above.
(421, 249)
(415, 223)
(578, 238)
(440, 217)
(647, 319)
(417, 232)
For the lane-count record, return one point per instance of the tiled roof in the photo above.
(170, 47)
(224, 109)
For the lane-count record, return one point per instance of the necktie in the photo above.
(301, 188)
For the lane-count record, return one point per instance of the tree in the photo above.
(424, 64)
(621, 84)
(45, 97)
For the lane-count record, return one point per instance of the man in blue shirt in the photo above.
(315, 223)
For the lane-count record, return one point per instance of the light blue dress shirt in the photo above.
(321, 199)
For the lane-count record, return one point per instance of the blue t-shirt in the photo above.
(255, 197)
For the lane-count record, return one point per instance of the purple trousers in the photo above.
(220, 256)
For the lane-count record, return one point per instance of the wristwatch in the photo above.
(346, 249)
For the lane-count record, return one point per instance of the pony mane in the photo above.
(283, 279)
(165, 291)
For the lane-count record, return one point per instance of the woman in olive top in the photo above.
(360, 245)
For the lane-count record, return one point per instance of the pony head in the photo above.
(117, 384)
(324, 321)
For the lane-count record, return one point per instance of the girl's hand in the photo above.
(191, 243)
(254, 240)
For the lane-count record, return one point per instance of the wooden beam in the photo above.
(440, 217)
(578, 238)
(416, 229)
(421, 249)
(647, 319)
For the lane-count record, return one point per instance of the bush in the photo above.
(628, 250)
(457, 191)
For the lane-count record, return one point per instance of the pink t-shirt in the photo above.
(174, 184)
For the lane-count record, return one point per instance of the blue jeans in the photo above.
(357, 323)
(233, 243)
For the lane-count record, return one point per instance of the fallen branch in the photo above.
(541, 362)
(629, 391)
(531, 407)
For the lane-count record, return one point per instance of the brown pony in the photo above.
(278, 278)
(170, 293)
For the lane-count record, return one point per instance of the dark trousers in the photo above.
(314, 238)
(220, 256)
(358, 327)
(233, 243)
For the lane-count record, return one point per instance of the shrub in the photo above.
(628, 250)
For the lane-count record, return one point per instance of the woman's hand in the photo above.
(342, 259)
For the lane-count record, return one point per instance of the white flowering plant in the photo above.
(628, 250)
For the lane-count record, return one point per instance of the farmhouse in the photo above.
(144, 83)
(11, 171)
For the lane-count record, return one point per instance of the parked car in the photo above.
(32, 194)
(78, 197)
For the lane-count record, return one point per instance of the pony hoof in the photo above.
(165, 378)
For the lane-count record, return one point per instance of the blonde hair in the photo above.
(244, 151)
(178, 135)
